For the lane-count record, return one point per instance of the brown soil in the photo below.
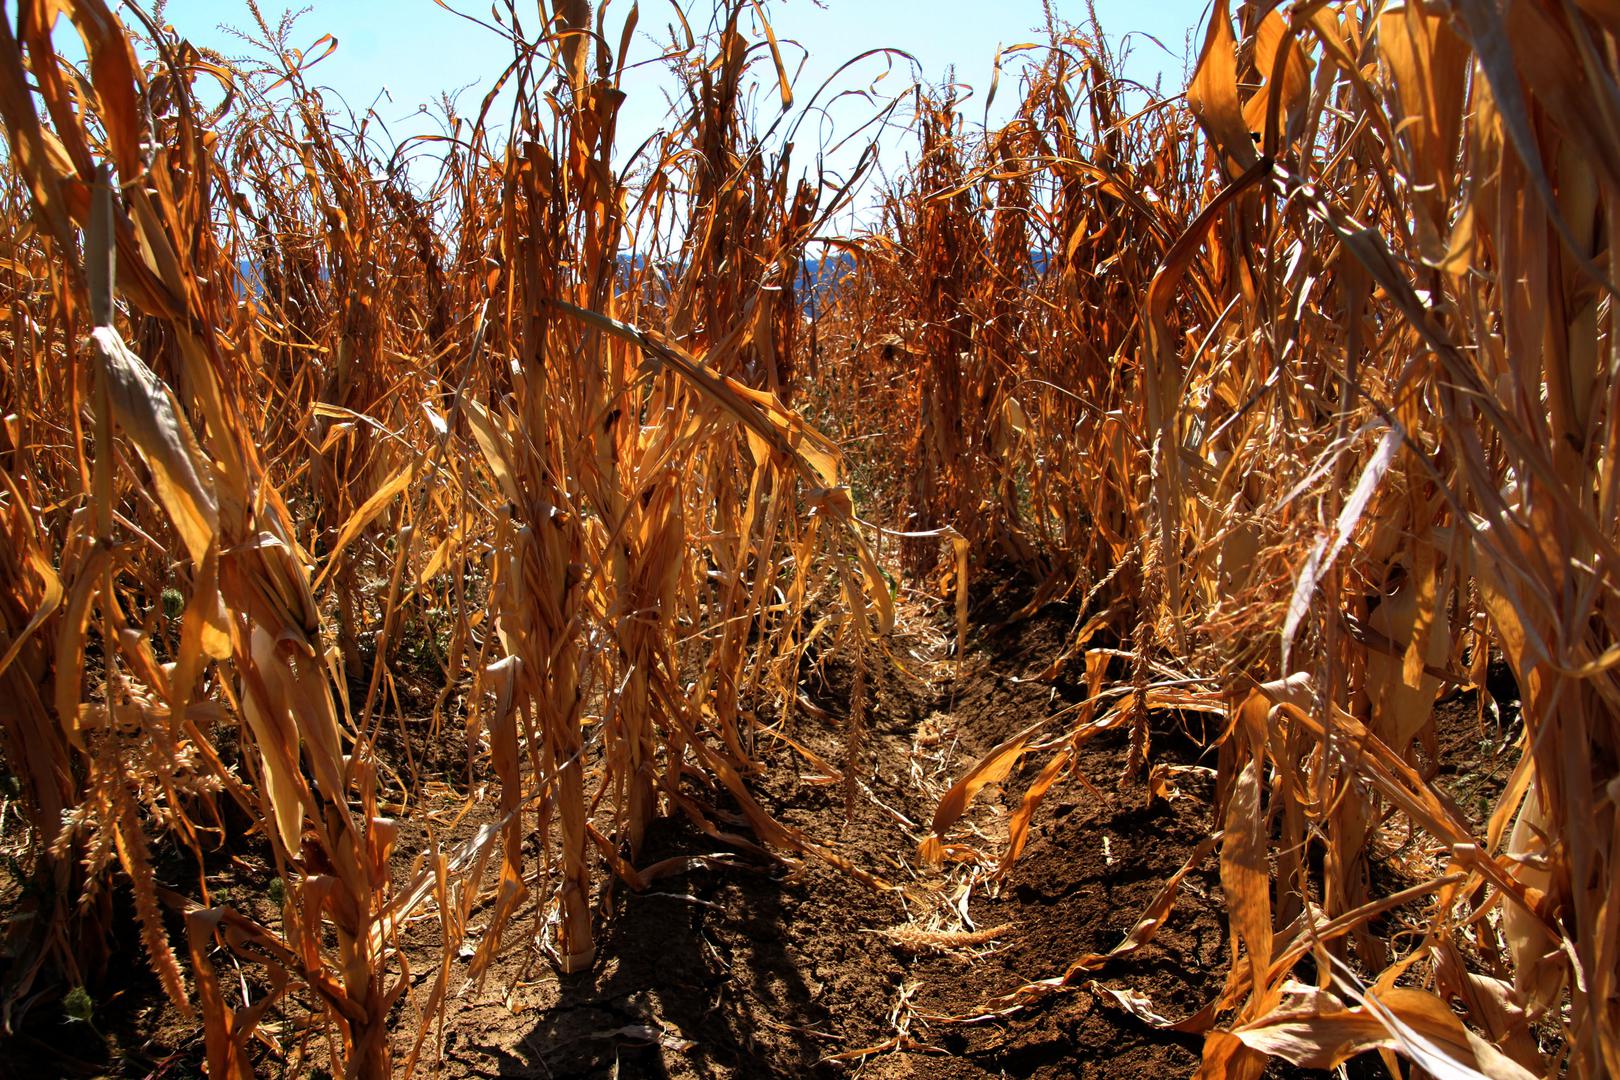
(761, 970)
(766, 971)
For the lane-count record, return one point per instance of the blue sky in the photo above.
(416, 49)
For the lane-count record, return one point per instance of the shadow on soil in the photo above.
(695, 976)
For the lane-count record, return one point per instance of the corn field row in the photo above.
(1302, 386)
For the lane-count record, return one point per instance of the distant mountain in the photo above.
(817, 284)
(819, 280)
